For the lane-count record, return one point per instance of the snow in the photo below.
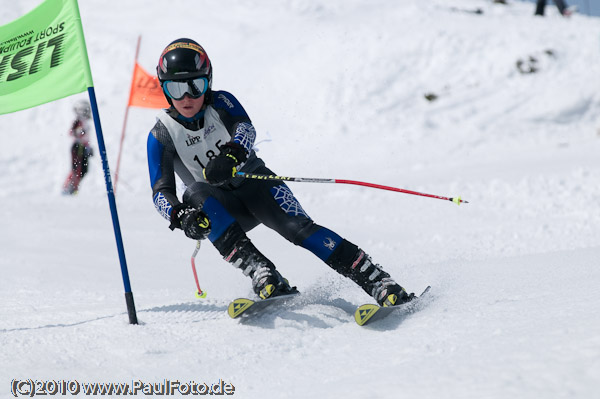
(336, 89)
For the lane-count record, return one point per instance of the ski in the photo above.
(369, 313)
(247, 307)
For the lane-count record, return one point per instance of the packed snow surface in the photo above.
(336, 89)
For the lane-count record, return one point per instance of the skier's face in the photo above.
(188, 106)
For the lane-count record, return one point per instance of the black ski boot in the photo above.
(354, 263)
(266, 280)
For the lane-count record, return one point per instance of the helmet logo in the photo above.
(191, 46)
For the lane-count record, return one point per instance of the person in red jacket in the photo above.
(81, 149)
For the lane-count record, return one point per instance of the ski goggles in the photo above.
(177, 89)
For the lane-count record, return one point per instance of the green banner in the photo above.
(43, 57)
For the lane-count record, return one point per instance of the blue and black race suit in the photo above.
(184, 146)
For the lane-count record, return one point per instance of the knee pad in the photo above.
(220, 219)
(322, 242)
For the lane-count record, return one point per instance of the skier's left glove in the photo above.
(194, 222)
(224, 166)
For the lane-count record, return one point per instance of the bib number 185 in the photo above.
(210, 154)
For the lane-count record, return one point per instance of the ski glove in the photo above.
(194, 222)
(223, 167)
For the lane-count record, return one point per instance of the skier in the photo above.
(81, 149)
(205, 137)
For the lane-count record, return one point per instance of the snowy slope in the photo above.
(336, 89)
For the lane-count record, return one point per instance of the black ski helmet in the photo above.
(183, 59)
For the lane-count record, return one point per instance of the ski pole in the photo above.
(456, 200)
(199, 292)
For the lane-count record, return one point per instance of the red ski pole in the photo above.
(456, 200)
(199, 292)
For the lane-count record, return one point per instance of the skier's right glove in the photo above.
(194, 222)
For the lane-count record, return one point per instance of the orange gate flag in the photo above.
(145, 90)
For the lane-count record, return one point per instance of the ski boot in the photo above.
(352, 262)
(388, 293)
(266, 280)
(268, 283)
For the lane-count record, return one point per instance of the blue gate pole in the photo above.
(113, 208)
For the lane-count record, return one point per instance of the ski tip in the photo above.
(425, 291)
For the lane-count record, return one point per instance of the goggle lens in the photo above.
(177, 89)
